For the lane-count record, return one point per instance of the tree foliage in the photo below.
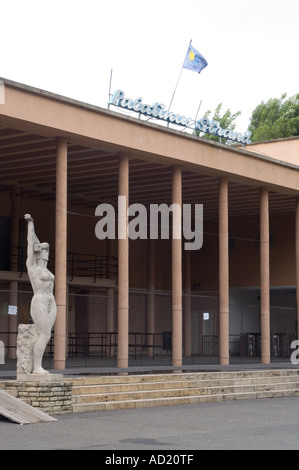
(276, 119)
(227, 121)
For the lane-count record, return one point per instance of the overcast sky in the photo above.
(69, 47)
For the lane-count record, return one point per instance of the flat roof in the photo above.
(33, 118)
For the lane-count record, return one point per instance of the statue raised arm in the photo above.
(32, 240)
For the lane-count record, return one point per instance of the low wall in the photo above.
(52, 398)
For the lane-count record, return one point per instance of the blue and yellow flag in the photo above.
(194, 60)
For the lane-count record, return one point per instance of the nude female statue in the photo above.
(43, 308)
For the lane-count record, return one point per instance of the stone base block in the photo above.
(26, 339)
(52, 397)
(44, 378)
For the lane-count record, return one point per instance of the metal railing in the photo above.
(104, 344)
(78, 264)
(93, 266)
(210, 345)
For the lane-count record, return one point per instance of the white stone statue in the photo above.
(43, 308)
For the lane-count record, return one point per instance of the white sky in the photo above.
(69, 47)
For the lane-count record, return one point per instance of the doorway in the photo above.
(204, 332)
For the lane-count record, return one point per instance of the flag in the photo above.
(194, 60)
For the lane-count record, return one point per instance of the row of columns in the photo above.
(177, 285)
(264, 273)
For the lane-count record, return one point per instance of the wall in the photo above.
(52, 398)
(286, 150)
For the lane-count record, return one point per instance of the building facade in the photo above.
(235, 296)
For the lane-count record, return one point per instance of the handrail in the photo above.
(105, 344)
(78, 264)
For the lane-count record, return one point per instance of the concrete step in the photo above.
(145, 378)
(137, 391)
(173, 401)
(166, 384)
(179, 392)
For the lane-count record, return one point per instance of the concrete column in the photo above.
(187, 304)
(110, 299)
(297, 262)
(123, 267)
(14, 258)
(265, 276)
(61, 254)
(150, 314)
(177, 268)
(14, 237)
(110, 318)
(223, 273)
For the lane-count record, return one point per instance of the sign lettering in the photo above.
(213, 127)
(156, 110)
(159, 111)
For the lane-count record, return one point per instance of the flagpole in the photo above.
(177, 81)
(175, 89)
(109, 93)
(198, 110)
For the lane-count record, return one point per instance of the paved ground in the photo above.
(244, 424)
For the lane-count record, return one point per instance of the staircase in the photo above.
(100, 393)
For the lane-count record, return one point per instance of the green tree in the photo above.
(226, 121)
(276, 119)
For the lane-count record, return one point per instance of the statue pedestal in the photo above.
(27, 337)
(43, 391)
(44, 378)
